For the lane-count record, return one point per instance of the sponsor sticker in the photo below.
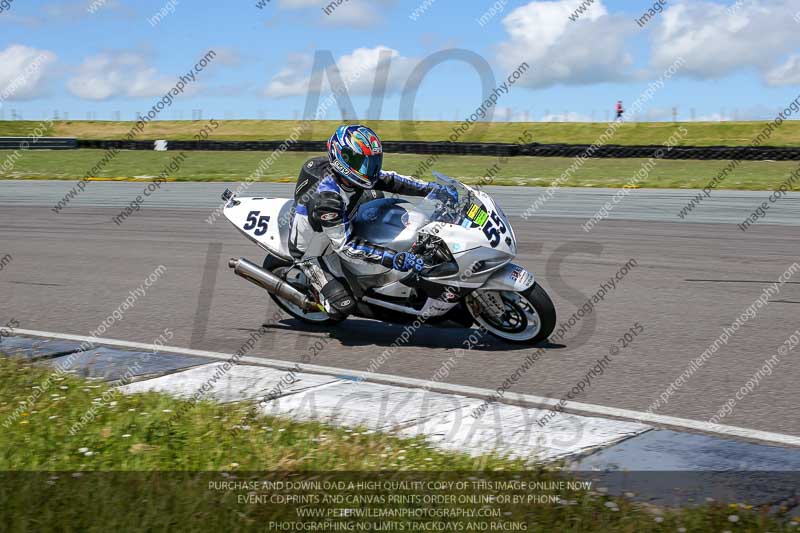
(476, 214)
(375, 145)
(521, 277)
(340, 167)
(482, 217)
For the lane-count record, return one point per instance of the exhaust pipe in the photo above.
(271, 283)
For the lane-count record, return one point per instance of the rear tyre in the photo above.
(526, 317)
(320, 318)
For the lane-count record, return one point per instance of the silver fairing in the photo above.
(388, 222)
(395, 224)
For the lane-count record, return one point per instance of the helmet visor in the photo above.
(367, 165)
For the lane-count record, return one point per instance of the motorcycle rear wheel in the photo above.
(528, 317)
(319, 318)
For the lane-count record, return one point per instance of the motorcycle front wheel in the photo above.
(526, 317)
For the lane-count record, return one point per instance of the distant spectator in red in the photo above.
(620, 110)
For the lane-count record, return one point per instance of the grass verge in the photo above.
(700, 133)
(136, 467)
(532, 171)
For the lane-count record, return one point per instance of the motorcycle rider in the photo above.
(326, 197)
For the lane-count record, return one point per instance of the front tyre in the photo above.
(526, 317)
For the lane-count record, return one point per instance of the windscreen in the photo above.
(448, 203)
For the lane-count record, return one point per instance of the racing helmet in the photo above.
(356, 155)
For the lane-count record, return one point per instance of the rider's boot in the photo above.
(334, 295)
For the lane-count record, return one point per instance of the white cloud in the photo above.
(353, 13)
(291, 80)
(787, 73)
(68, 12)
(590, 49)
(230, 57)
(508, 114)
(712, 117)
(16, 20)
(108, 75)
(570, 116)
(358, 71)
(716, 40)
(23, 71)
(300, 4)
(231, 90)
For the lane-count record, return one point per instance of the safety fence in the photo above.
(41, 143)
(744, 153)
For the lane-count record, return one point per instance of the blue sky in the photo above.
(739, 60)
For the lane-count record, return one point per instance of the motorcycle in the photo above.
(462, 234)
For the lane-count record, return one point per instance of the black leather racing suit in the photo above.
(324, 208)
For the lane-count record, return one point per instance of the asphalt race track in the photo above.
(70, 271)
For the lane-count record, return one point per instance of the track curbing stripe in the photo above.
(527, 400)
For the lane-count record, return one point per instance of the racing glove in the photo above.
(403, 261)
(448, 190)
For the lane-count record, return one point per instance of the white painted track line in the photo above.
(512, 398)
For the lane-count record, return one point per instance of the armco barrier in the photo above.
(745, 153)
(41, 143)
